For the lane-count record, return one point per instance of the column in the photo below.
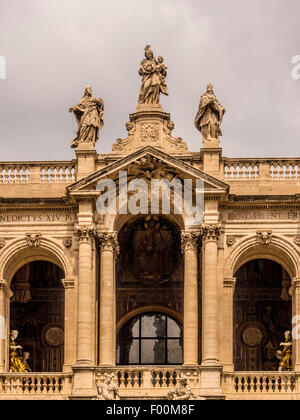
(296, 325)
(3, 324)
(109, 250)
(69, 346)
(228, 292)
(210, 356)
(85, 302)
(190, 328)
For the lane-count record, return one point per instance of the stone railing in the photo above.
(37, 172)
(150, 382)
(259, 384)
(236, 169)
(35, 385)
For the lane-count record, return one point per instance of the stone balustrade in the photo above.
(37, 172)
(35, 385)
(236, 169)
(241, 385)
(150, 382)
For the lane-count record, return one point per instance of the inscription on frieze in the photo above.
(249, 215)
(36, 218)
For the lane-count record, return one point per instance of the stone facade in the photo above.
(48, 213)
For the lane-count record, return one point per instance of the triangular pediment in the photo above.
(149, 163)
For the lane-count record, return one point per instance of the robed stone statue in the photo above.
(89, 116)
(210, 115)
(154, 73)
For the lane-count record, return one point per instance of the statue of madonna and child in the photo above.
(154, 73)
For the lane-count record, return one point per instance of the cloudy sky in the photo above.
(53, 48)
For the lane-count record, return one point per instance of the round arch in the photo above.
(280, 250)
(148, 309)
(17, 253)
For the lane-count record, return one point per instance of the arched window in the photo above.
(150, 339)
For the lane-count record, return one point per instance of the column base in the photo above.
(211, 382)
(84, 385)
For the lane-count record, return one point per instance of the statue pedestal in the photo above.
(86, 160)
(150, 126)
(211, 143)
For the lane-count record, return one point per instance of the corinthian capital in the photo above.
(211, 232)
(85, 233)
(109, 242)
(189, 240)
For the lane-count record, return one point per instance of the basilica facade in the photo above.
(142, 294)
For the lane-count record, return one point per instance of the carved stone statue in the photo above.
(154, 74)
(16, 362)
(285, 355)
(182, 391)
(209, 116)
(109, 390)
(89, 116)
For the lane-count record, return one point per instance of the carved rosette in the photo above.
(109, 242)
(211, 232)
(68, 242)
(264, 238)
(2, 243)
(230, 240)
(189, 241)
(86, 233)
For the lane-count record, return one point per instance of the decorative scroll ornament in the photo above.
(85, 233)
(264, 238)
(109, 241)
(230, 240)
(211, 232)
(33, 240)
(68, 242)
(189, 241)
(2, 243)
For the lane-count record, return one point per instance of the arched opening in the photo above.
(150, 339)
(149, 274)
(262, 314)
(37, 313)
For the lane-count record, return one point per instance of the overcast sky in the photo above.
(53, 48)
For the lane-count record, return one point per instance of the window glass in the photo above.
(150, 339)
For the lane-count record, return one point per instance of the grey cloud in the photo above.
(54, 48)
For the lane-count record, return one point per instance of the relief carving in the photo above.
(264, 238)
(33, 240)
